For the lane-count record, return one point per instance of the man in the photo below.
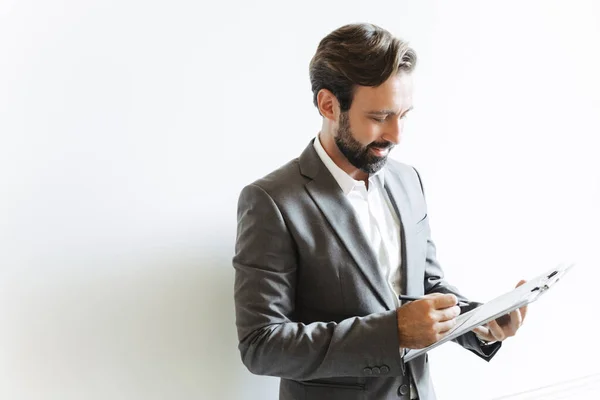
(326, 243)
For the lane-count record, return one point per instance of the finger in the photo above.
(483, 333)
(503, 320)
(515, 321)
(445, 326)
(523, 309)
(496, 330)
(447, 313)
(445, 301)
(523, 312)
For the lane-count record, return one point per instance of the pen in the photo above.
(413, 298)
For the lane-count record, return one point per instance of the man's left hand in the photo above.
(503, 327)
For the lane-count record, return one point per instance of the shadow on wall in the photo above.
(157, 326)
(229, 379)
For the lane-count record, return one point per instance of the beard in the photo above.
(360, 156)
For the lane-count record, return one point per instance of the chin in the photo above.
(371, 168)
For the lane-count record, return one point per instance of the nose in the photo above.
(393, 130)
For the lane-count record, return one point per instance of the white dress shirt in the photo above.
(378, 220)
(377, 217)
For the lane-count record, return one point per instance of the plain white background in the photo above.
(128, 128)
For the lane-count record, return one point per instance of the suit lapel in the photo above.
(326, 193)
(401, 202)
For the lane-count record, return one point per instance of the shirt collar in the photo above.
(346, 182)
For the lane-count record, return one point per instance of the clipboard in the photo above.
(525, 294)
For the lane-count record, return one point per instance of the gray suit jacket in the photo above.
(311, 304)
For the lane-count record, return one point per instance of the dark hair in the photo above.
(357, 54)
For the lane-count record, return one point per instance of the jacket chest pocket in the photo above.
(423, 225)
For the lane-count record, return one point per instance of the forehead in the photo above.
(393, 94)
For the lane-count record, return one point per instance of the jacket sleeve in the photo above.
(271, 342)
(434, 283)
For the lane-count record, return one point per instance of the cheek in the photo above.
(365, 131)
(371, 132)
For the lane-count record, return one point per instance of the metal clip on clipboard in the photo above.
(551, 279)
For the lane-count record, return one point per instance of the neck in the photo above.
(340, 159)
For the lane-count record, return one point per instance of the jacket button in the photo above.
(376, 371)
(385, 369)
(403, 390)
(368, 371)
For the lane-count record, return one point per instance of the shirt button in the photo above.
(368, 371)
(385, 369)
(403, 390)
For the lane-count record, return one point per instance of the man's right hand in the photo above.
(423, 322)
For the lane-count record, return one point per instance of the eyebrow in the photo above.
(387, 112)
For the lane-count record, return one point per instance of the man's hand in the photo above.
(503, 327)
(423, 322)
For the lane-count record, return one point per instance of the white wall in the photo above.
(127, 129)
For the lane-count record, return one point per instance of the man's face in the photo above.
(372, 126)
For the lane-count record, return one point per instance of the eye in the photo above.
(379, 120)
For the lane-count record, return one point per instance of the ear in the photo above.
(328, 104)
